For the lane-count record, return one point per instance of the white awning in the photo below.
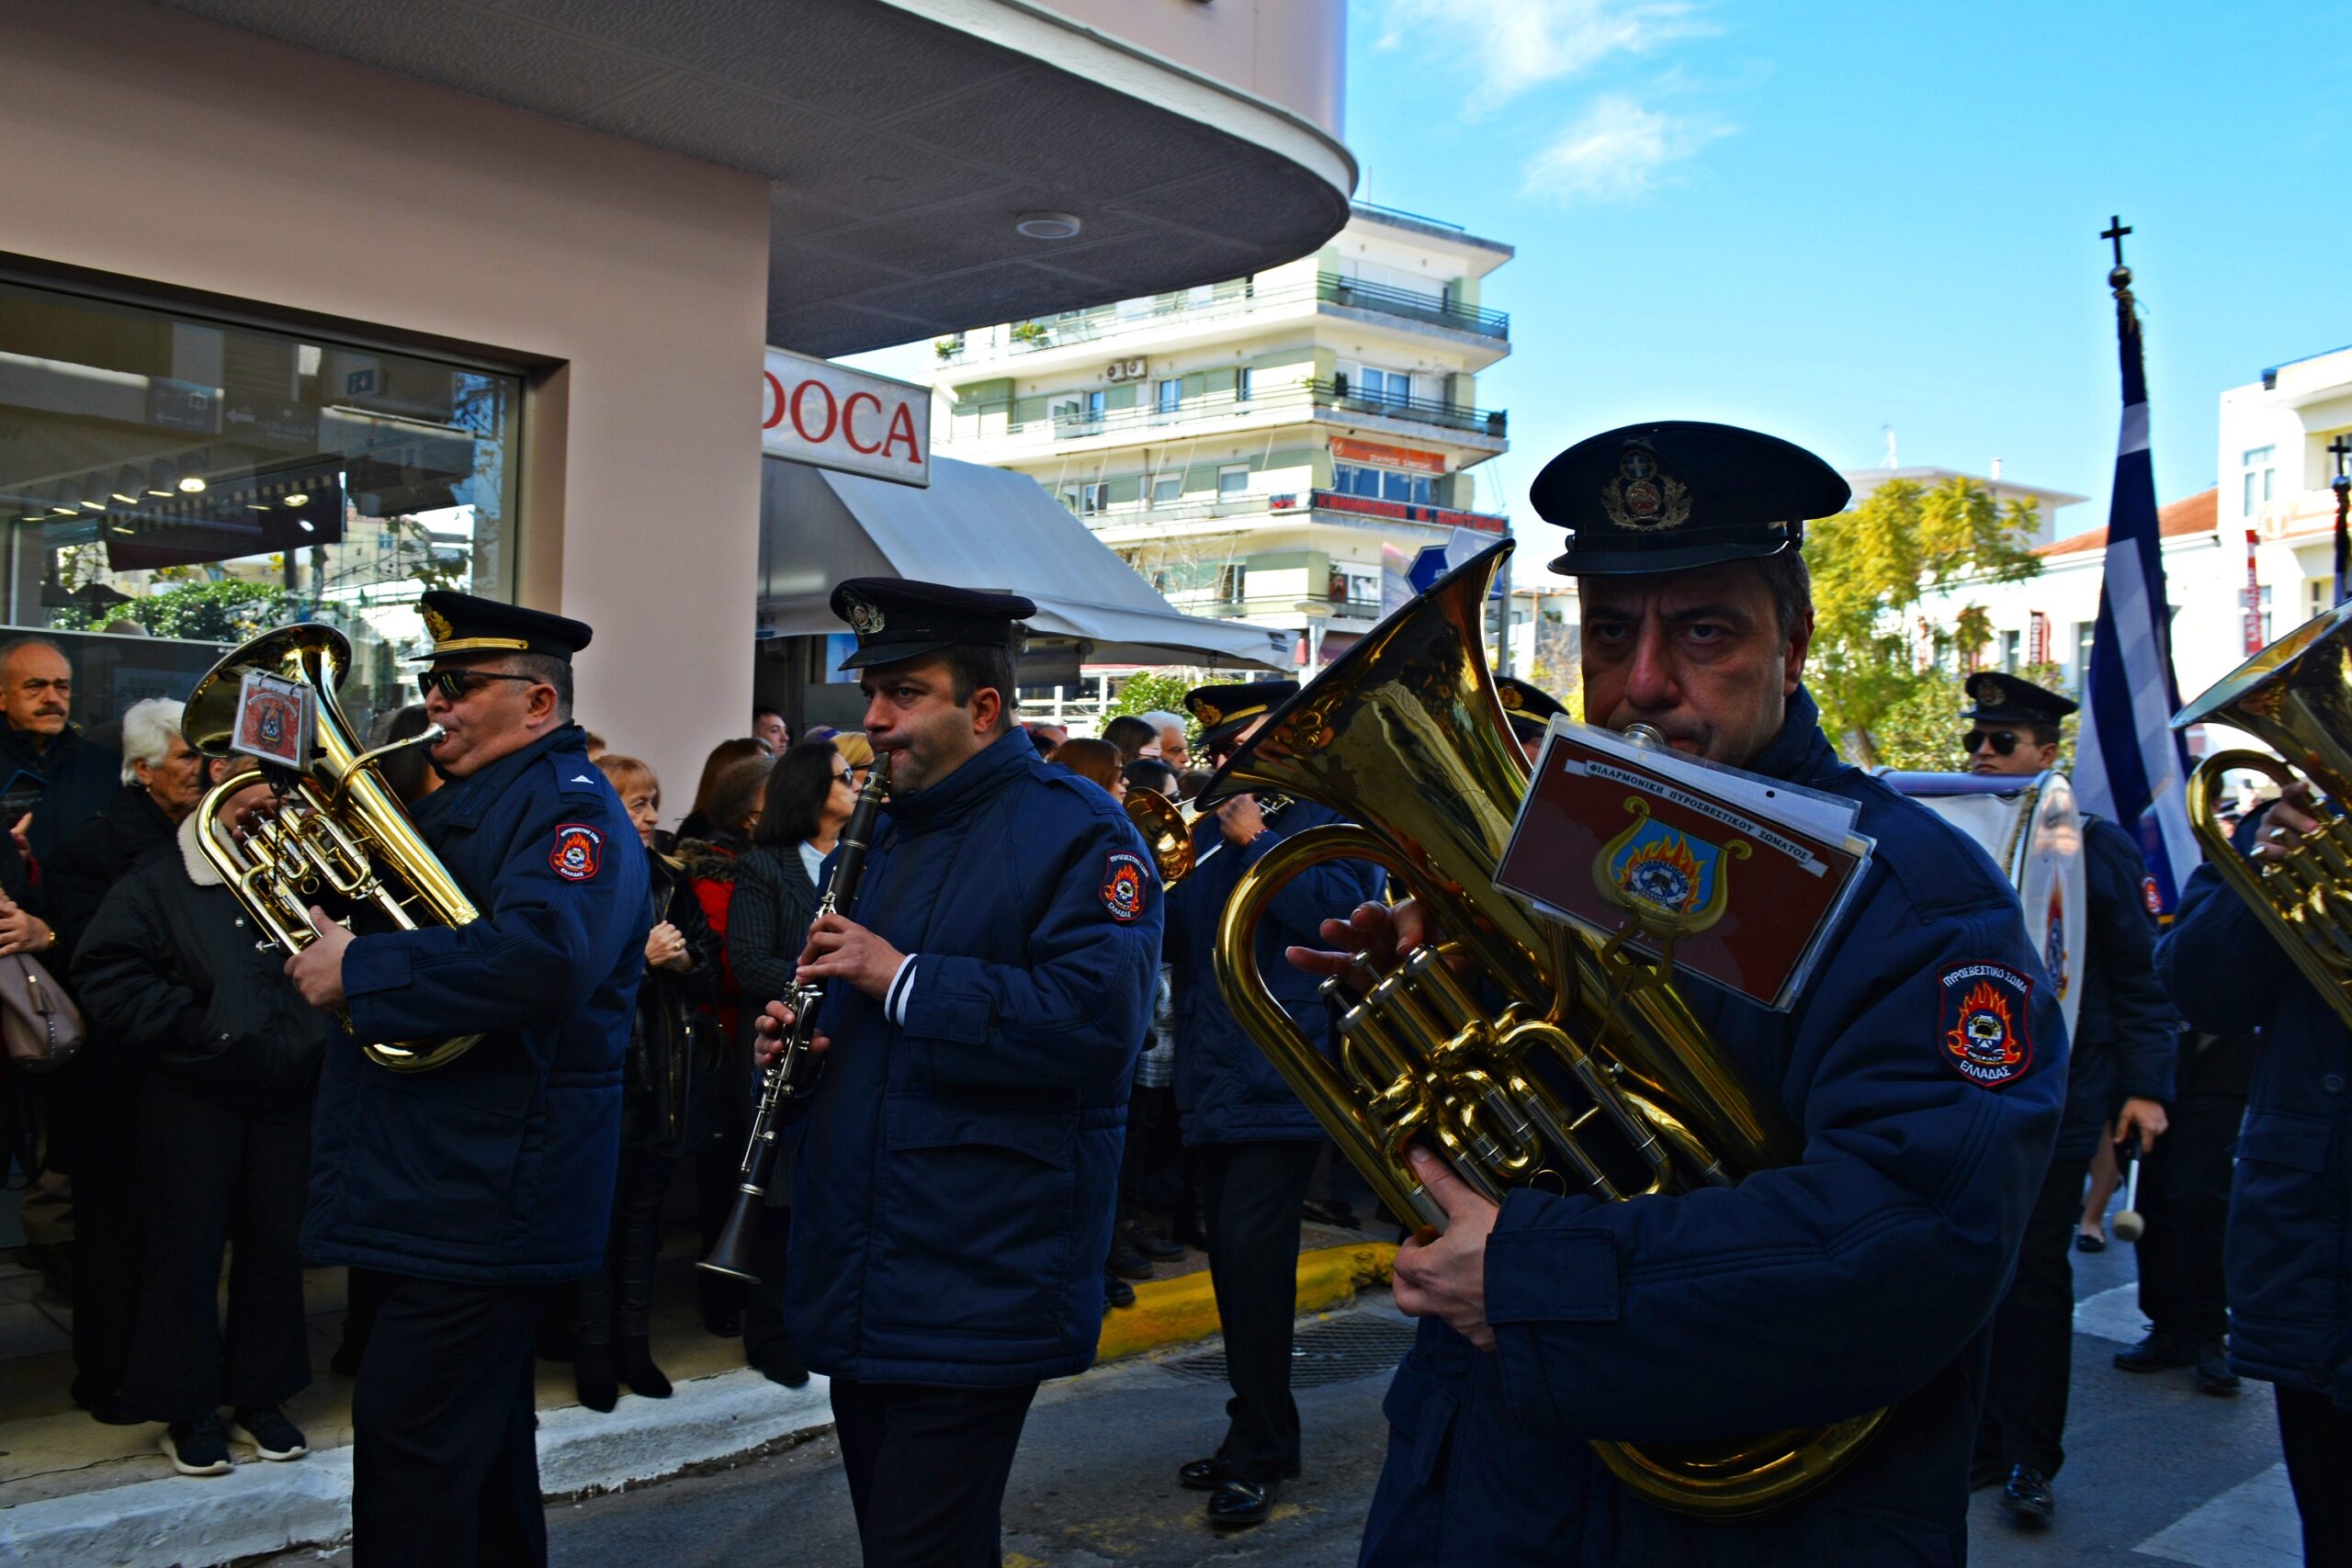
(977, 527)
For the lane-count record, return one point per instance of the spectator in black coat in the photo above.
(169, 970)
(163, 778)
(671, 1044)
(810, 797)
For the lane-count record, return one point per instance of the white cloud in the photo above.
(1512, 45)
(1614, 150)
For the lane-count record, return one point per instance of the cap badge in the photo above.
(439, 626)
(1208, 713)
(1643, 496)
(1512, 699)
(1988, 691)
(863, 619)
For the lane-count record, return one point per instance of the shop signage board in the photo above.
(1351, 451)
(832, 417)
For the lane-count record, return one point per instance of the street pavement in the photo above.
(2157, 1473)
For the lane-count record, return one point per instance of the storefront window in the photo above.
(170, 486)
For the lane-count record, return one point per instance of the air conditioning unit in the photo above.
(1125, 369)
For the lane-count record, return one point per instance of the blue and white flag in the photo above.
(2130, 765)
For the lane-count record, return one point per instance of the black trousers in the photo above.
(2317, 1436)
(1252, 1193)
(2033, 1334)
(618, 1302)
(927, 1466)
(444, 1464)
(109, 1234)
(2185, 1198)
(224, 1177)
(763, 1303)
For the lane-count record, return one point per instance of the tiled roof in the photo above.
(2196, 514)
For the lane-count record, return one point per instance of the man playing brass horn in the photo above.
(1923, 1064)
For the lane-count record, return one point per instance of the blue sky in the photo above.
(1824, 219)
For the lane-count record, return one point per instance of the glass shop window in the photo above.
(170, 486)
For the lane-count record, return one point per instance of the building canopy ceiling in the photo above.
(901, 148)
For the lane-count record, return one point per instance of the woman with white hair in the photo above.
(163, 778)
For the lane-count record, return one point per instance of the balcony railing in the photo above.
(1290, 506)
(1300, 400)
(1105, 321)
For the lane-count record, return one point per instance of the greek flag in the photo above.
(2129, 766)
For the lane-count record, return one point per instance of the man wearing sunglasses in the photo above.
(2126, 1034)
(470, 1189)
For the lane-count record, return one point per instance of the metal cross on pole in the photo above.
(2114, 233)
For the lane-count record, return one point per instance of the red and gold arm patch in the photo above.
(579, 851)
(1983, 1029)
(1126, 885)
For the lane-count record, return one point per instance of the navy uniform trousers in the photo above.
(444, 1467)
(927, 1465)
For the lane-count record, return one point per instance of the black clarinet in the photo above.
(732, 1253)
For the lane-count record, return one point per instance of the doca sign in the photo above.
(820, 414)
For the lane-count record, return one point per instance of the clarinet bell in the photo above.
(732, 1253)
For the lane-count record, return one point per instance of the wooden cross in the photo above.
(2114, 233)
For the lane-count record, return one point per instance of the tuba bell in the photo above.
(2296, 696)
(337, 831)
(1577, 1082)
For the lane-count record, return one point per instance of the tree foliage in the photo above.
(1870, 566)
(1145, 692)
(230, 611)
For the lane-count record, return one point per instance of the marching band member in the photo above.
(1924, 1064)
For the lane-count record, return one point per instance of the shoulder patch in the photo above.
(2150, 897)
(1983, 1027)
(1126, 885)
(579, 851)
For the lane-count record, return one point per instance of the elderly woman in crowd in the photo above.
(169, 971)
(672, 1042)
(809, 798)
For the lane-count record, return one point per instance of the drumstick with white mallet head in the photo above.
(2128, 1225)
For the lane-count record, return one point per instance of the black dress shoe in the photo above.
(2085, 1241)
(1240, 1503)
(2213, 1374)
(2157, 1353)
(1117, 1293)
(1202, 1475)
(1152, 1245)
(2028, 1495)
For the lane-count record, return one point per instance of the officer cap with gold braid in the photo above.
(1223, 711)
(898, 618)
(1679, 493)
(463, 624)
(1529, 707)
(2004, 699)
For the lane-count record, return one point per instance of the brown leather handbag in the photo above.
(41, 1028)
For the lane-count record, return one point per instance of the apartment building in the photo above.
(1259, 448)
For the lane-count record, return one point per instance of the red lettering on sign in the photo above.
(775, 401)
(849, 428)
(902, 428)
(832, 412)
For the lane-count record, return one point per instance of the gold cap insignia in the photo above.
(863, 619)
(439, 626)
(1989, 692)
(1208, 713)
(1644, 496)
(1512, 697)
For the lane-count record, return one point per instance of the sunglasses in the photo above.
(2003, 741)
(455, 684)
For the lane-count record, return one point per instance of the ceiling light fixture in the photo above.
(192, 484)
(1048, 225)
(299, 498)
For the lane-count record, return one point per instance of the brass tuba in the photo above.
(337, 827)
(2296, 696)
(1580, 1082)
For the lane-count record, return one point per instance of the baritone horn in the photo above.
(1567, 1086)
(337, 829)
(2295, 697)
(1167, 828)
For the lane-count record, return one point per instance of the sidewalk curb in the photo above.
(259, 1507)
(1168, 1313)
(180, 1521)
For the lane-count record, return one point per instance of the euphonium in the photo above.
(337, 827)
(2296, 696)
(1167, 828)
(1578, 1082)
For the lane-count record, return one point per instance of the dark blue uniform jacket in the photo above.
(2289, 1257)
(1226, 1091)
(2127, 1037)
(953, 1176)
(1863, 1276)
(498, 1167)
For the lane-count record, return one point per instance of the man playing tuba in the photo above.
(1862, 1276)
